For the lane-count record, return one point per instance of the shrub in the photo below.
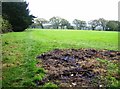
(5, 26)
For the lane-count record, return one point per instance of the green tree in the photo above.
(83, 25)
(103, 23)
(118, 25)
(55, 21)
(69, 26)
(17, 13)
(112, 25)
(94, 24)
(79, 24)
(63, 23)
(40, 22)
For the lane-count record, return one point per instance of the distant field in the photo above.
(77, 39)
(20, 49)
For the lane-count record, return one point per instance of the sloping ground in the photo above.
(78, 67)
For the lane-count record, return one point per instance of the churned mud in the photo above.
(76, 67)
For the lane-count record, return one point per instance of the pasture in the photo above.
(20, 49)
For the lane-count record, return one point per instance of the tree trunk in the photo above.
(103, 28)
(41, 26)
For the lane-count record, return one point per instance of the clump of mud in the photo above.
(75, 67)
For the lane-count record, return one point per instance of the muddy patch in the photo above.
(75, 67)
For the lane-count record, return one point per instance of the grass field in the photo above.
(19, 50)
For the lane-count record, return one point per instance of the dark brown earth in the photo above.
(75, 67)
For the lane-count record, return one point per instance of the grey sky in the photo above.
(72, 9)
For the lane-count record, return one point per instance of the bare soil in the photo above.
(76, 67)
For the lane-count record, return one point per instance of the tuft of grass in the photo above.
(38, 77)
(39, 70)
(39, 74)
(50, 86)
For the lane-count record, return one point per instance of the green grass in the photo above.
(77, 39)
(19, 50)
(112, 69)
(50, 85)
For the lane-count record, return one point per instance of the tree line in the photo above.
(61, 23)
(16, 17)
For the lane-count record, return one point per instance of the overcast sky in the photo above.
(75, 9)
